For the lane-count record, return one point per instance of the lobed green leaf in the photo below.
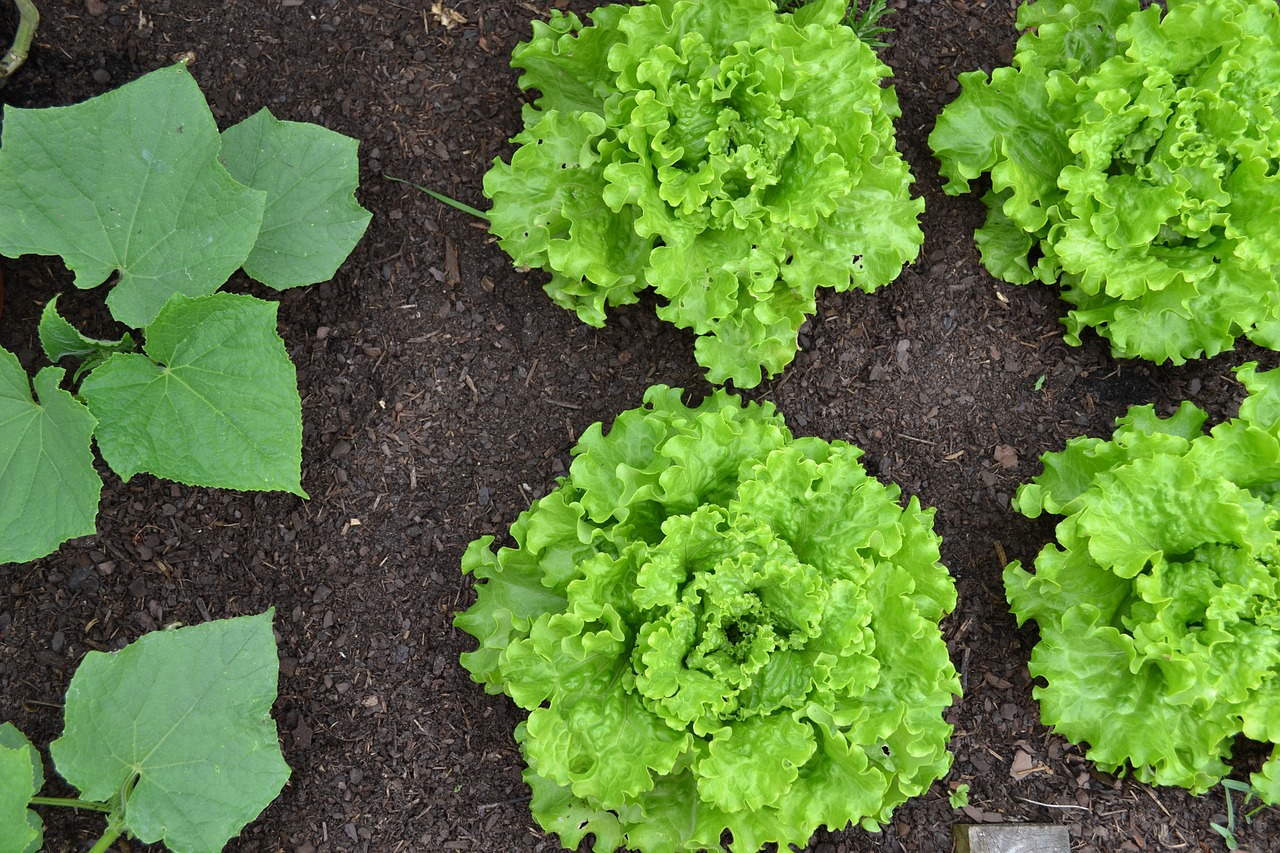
(21, 778)
(128, 182)
(309, 173)
(60, 339)
(178, 725)
(48, 486)
(212, 402)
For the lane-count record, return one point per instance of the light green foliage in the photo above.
(730, 157)
(131, 182)
(171, 738)
(1159, 605)
(866, 24)
(309, 173)
(217, 374)
(714, 626)
(21, 778)
(48, 487)
(1132, 156)
(959, 798)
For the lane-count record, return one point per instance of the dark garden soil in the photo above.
(442, 391)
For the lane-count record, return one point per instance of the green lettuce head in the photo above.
(1133, 157)
(716, 626)
(1159, 605)
(731, 157)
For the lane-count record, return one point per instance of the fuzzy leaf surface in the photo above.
(180, 720)
(60, 340)
(128, 181)
(309, 173)
(48, 486)
(21, 778)
(212, 402)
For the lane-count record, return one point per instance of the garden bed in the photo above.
(442, 391)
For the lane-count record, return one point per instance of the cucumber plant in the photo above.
(137, 185)
(171, 739)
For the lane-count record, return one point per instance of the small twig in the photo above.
(1053, 805)
(1150, 794)
(562, 404)
(483, 807)
(456, 205)
(28, 20)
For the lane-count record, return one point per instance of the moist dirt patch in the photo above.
(442, 391)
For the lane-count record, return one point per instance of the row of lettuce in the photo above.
(714, 625)
(733, 159)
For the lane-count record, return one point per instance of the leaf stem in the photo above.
(456, 205)
(28, 20)
(70, 803)
(113, 832)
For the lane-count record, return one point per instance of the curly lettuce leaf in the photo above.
(715, 626)
(1157, 606)
(731, 158)
(1131, 155)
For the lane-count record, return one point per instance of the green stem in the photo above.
(28, 20)
(106, 840)
(70, 803)
(456, 205)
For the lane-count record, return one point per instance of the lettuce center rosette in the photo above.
(1133, 158)
(728, 156)
(716, 626)
(1159, 604)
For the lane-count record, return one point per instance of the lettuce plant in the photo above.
(138, 185)
(171, 739)
(729, 156)
(1159, 605)
(1132, 157)
(716, 626)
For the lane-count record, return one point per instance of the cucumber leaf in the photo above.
(178, 724)
(48, 486)
(60, 339)
(310, 174)
(128, 181)
(216, 392)
(21, 778)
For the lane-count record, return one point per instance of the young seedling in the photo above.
(1228, 832)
